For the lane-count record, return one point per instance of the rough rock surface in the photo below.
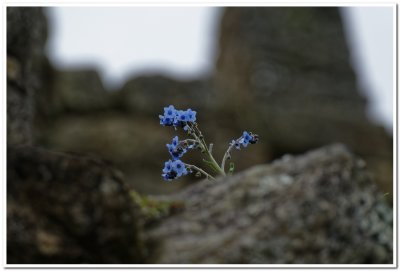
(315, 208)
(318, 208)
(290, 67)
(26, 36)
(67, 209)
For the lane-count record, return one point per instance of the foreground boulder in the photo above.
(321, 207)
(318, 208)
(67, 209)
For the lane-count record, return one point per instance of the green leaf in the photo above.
(211, 165)
(231, 167)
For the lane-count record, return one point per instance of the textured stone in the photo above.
(316, 208)
(26, 33)
(26, 36)
(290, 67)
(67, 209)
(76, 91)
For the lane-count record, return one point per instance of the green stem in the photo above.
(204, 148)
(220, 170)
(201, 171)
(228, 154)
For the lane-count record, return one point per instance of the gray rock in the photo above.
(67, 209)
(318, 208)
(314, 208)
(26, 33)
(26, 36)
(286, 74)
(77, 91)
(136, 145)
(19, 106)
(147, 95)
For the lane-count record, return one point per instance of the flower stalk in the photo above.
(193, 167)
(175, 168)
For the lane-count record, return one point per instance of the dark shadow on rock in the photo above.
(67, 209)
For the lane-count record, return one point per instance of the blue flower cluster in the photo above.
(186, 119)
(178, 148)
(177, 118)
(245, 139)
(174, 169)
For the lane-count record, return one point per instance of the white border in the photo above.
(182, 3)
(395, 135)
(195, 4)
(4, 134)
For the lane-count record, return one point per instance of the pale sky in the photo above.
(180, 42)
(370, 36)
(122, 42)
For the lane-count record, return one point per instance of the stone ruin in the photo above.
(83, 175)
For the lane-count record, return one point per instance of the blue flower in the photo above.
(169, 175)
(191, 115)
(175, 149)
(166, 121)
(175, 141)
(245, 139)
(170, 112)
(174, 169)
(181, 119)
(182, 116)
(167, 166)
(177, 118)
(179, 167)
(168, 172)
(247, 136)
(169, 116)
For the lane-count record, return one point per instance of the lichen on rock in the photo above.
(316, 208)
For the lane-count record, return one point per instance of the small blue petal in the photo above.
(190, 115)
(175, 141)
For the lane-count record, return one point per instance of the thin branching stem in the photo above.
(228, 153)
(197, 135)
(189, 140)
(201, 171)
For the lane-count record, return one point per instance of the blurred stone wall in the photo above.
(287, 74)
(70, 208)
(283, 73)
(60, 208)
(26, 36)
